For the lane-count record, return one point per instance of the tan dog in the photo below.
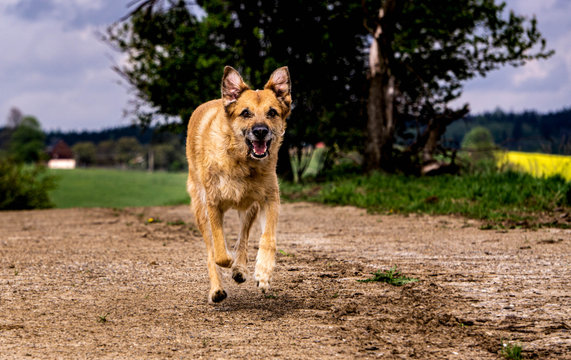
(232, 148)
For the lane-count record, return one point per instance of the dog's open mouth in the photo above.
(259, 149)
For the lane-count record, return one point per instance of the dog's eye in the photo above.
(246, 113)
(272, 113)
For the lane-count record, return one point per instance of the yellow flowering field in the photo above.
(540, 165)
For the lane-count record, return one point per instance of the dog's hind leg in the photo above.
(217, 293)
(239, 269)
(266, 259)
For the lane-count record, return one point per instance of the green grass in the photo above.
(391, 277)
(117, 188)
(496, 197)
(511, 351)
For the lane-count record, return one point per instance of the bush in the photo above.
(479, 146)
(24, 186)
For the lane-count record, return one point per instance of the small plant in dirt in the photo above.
(511, 351)
(284, 253)
(176, 223)
(153, 220)
(102, 318)
(392, 277)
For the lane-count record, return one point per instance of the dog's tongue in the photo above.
(259, 147)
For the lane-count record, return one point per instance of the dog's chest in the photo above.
(238, 190)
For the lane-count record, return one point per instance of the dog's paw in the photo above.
(239, 274)
(263, 281)
(223, 260)
(263, 285)
(217, 295)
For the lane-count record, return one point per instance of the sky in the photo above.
(54, 66)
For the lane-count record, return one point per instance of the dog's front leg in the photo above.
(266, 259)
(221, 256)
(217, 293)
(239, 269)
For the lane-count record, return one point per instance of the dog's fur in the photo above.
(232, 147)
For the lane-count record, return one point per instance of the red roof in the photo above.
(61, 151)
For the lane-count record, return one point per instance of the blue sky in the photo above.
(53, 65)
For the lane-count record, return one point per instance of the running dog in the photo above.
(232, 151)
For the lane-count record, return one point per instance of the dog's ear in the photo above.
(280, 84)
(232, 86)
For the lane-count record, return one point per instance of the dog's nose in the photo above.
(260, 131)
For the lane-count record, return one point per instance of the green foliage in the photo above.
(511, 351)
(118, 188)
(85, 153)
(24, 186)
(106, 153)
(488, 196)
(391, 277)
(441, 44)
(478, 149)
(527, 131)
(168, 156)
(478, 139)
(128, 151)
(26, 143)
(176, 57)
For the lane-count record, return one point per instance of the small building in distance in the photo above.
(61, 156)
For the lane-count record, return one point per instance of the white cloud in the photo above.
(60, 74)
(534, 70)
(489, 99)
(543, 85)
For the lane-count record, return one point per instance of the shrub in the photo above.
(24, 186)
(479, 145)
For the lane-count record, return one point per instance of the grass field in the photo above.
(117, 188)
(495, 197)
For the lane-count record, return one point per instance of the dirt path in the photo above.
(101, 283)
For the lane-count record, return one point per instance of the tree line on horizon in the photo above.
(22, 141)
(528, 131)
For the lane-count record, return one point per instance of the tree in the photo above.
(479, 142)
(14, 117)
(106, 155)
(85, 153)
(127, 150)
(176, 60)
(27, 141)
(420, 54)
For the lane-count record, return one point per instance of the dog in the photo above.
(232, 147)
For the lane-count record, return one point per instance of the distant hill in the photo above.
(528, 131)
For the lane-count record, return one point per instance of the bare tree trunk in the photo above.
(381, 119)
(437, 127)
(427, 144)
(380, 124)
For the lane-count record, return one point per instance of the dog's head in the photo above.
(257, 116)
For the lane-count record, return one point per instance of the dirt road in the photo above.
(104, 283)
